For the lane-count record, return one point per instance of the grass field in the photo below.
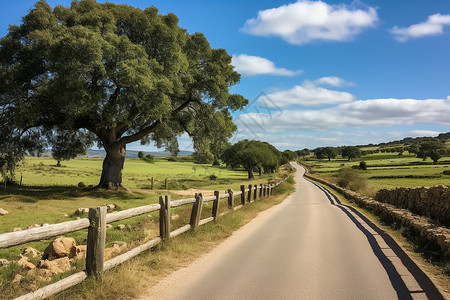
(389, 170)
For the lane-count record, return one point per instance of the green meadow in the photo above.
(388, 170)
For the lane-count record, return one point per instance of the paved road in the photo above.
(308, 247)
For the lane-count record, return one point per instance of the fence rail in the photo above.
(96, 225)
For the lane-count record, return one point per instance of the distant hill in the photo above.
(133, 153)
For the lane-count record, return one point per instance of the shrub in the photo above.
(212, 177)
(149, 158)
(363, 165)
(172, 158)
(446, 172)
(351, 179)
(290, 180)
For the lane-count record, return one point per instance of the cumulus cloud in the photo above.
(305, 21)
(256, 65)
(307, 94)
(359, 114)
(434, 25)
(333, 81)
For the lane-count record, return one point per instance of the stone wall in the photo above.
(428, 231)
(431, 202)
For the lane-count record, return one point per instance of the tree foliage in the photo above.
(433, 149)
(252, 155)
(325, 152)
(122, 73)
(67, 145)
(351, 152)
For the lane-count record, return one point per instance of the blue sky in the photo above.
(321, 73)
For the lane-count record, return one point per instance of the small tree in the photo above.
(67, 145)
(432, 149)
(141, 154)
(351, 152)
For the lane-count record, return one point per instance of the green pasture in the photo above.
(389, 170)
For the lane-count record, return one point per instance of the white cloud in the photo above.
(333, 81)
(305, 21)
(307, 94)
(256, 65)
(359, 114)
(434, 25)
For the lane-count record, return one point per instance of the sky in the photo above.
(321, 73)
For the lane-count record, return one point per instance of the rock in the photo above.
(81, 184)
(31, 252)
(33, 226)
(111, 251)
(108, 226)
(3, 212)
(66, 215)
(111, 207)
(56, 266)
(44, 275)
(174, 217)
(4, 262)
(121, 226)
(81, 251)
(78, 218)
(17, 229)
(82, 210)
(25, 264)
(17, 279)
(61, 247)
(44, 224)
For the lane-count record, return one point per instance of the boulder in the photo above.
(17, 229)
(174, 217)
(121, 226)
(81, 251)
(55, 266)
(31, 252)
(81, 211)
(111, 251)
(108, 226)
(24, 264)
(3, 212)
(81, 184)
(4, 262)
(33, 226)
(61, 247)
(111, 207)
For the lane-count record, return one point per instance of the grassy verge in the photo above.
(436, 268)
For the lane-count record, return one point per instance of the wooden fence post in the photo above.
(267, 190)
(249, 198)
(255, 193)
(20, 179)
(166, 183)
(151, 185)
(260, 191)
(243, 194)
(215, 209)
(95, 252)
(196, 210)
(230, 199)
(164, 217)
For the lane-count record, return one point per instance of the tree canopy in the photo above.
(325, 152)
(351, 152)
(122, 73)
(432, 149)
(252, 155)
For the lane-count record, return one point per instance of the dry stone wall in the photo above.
(431, 202)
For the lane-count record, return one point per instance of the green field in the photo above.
(389, 170)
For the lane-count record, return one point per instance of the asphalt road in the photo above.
(308, 247)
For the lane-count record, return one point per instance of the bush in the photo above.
(446, 172)
(363, 165)
(213, 177)
(352, 180)
(172, 158)
(290, 180)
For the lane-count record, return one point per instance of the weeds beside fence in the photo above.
(98, 218)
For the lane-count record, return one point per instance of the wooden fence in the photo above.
(96, 225)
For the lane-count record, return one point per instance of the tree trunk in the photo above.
(260, 171)
(112, 168)
(250, 173)
(58, 164)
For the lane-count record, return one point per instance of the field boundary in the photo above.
(98, 218)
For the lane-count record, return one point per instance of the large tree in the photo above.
(67, 145)
(122, 73)
(351, 152)
(252, 155)
(433, 149)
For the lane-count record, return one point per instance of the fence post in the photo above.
(166, 183)
(164, 217)
(20, 179)
(230, 199)
(267, 190)
(271, 189)
(196, 210)
(215, 209)
(249, 198)
(243, 194)
(95, 252)
(256, 192)
(260, 190)
(151, 185)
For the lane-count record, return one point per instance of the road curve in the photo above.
(308, 247)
